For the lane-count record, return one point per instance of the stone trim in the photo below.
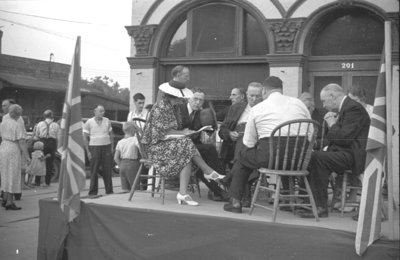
(285, 32)
(287, 13)
(142, 34)
(142, 62)
(286, 60)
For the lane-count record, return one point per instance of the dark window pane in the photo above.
(177, 47)
(350, 32)
(369, 84)
(255, 42)
(214, 29)
(320, 82)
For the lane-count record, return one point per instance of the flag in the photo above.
(72, 168)
(369, 219)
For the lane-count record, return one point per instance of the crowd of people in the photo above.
(171, 141)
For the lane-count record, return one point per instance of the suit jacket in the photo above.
(350, 133)
(192, 125)
(229, 124)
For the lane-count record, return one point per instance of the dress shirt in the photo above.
(245, 115)
(133, 114)
(47, 129)
(270, 113)
(99, 133)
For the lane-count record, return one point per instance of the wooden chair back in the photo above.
(291, 144)
(140, 123)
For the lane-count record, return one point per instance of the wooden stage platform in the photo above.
(111, 227)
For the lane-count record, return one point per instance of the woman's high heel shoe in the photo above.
(214, 176)
(185, 199)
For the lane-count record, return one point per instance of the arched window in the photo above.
(223, 45)
(350, 32)
(218, 29)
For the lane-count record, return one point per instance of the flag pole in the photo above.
(388, 64)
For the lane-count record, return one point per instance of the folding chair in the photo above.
(291, 145)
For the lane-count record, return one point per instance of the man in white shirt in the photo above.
(264, 117)
(98, 140)
(139, 111)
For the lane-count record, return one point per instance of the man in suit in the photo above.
(348, 124)
(238, 95)
(194, 117)
(232, 129)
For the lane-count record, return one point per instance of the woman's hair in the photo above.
(129, 127)
(15, 111)
(38, 145)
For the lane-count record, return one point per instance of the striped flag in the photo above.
(369, 219)
(72, 169)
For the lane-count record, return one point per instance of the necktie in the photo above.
(192, 116)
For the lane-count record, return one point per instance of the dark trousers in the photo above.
(210, 155)
(248, 160)
(322, 164)
(101, 160)
(50, 147)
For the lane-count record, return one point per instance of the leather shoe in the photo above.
(12, 207)
(322, 213)
(246, 204)
(235, 209)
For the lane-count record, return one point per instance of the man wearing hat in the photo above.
(47, 132)
(275, 109)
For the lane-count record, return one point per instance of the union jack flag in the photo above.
(72, 169)
(369, 219)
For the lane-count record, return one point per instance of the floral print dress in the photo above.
(169, 157)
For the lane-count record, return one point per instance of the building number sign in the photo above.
(347, 65)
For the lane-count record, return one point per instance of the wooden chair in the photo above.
(290, 148)
(157, 180)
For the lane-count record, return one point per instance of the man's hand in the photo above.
(331, 118)
(234, 135)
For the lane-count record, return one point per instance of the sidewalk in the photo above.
(19, 229)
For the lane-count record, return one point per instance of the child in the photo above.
(37, 167)
(127, 156)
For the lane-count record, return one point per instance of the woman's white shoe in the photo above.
(185, 199)
(214, 176)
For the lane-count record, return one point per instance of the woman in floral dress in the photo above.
(12, 152)
(170, 149)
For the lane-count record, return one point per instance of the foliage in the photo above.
(106, 86)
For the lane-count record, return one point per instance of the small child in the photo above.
(37, 166)
(127, 156)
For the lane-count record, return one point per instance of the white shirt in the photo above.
(41, 130)
(245, 115)
(133, 114)
(128, 148)
(271, 112)
(99, 133)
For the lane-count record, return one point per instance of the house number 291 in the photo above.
(347, 65)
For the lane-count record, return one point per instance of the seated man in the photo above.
(232, 129)
(238, 95)
(274, 110)
(190, 114)
(348, 125)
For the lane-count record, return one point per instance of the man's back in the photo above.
(270, 113)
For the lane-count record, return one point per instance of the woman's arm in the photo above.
(23, 149)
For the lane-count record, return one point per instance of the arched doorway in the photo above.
(344, 47)
(223, 44)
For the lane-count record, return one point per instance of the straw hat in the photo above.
(176, 91)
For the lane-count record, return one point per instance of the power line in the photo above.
(54, 19)
(57, 34)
